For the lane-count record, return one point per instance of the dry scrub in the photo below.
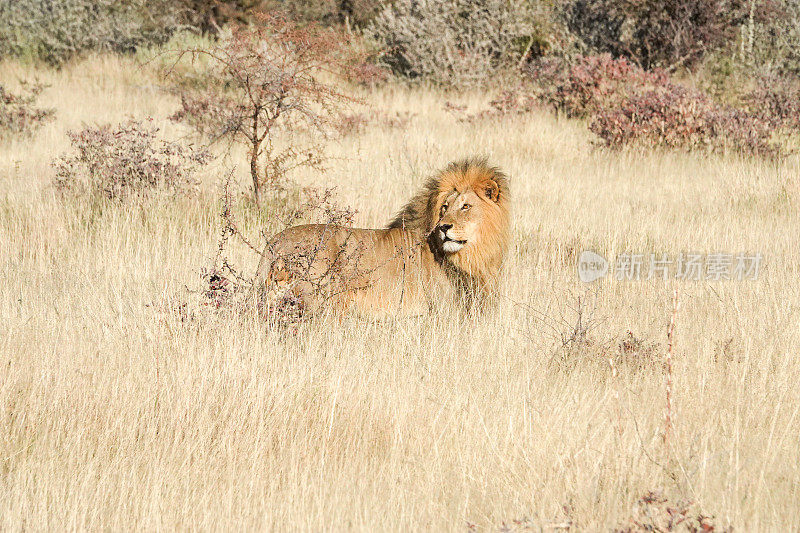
(118, 413)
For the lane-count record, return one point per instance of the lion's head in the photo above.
(463, 214)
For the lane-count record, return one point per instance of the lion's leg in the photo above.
(285, 292)
(261, 280)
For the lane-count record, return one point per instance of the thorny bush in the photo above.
(269, 91)
(19, 114)
(231, 287)
(127, 159)
(655, 512)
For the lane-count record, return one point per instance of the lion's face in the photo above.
(462, 215)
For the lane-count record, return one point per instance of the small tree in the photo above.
(265, 91)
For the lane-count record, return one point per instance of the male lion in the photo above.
(447, 244)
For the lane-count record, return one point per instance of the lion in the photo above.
(447, 244)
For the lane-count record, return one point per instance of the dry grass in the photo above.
(115, 414)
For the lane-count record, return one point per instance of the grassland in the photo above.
(115, 414)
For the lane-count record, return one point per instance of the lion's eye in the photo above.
(444, 208)
(465, 207)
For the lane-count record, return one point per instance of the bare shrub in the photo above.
(655, 512)
(356, 123)
(510, 102)
(267, 93)
(453, 42)
(19, 114)
(229, 287)
(579, 341)
(636, 352)
(127, 159)
(572, 331)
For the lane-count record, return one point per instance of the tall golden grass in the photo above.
(116, 414)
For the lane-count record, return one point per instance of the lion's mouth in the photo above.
(451, 245)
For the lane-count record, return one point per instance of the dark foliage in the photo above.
(19, 114)
(655, 33)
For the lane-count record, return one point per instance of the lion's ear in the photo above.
(491, 190)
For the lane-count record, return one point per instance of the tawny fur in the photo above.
(401, 269)
(419, 215)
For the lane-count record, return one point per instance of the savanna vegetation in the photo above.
(148, 149)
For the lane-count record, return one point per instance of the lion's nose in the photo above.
(445, 227)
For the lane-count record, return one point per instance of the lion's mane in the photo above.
(419, 216)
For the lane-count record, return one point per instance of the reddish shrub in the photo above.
(655, 512)
(591, 83)
(367, 74)
(18, 112)
(127, 159)
(677, 117)
(776, 100)
(627, 104)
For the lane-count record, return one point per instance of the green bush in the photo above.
(53, 31)
(655, 33)
(454, 42)
(771, 39)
